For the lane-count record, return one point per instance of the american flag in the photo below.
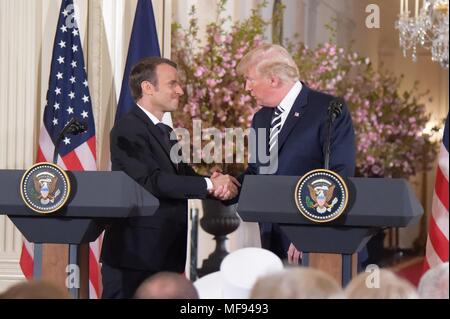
(68, 97)
(437, 241)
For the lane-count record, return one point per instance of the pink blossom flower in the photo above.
(199, 72)
(211, 83)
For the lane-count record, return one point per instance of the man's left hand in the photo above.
(293, 255)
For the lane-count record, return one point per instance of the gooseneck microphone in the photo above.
(73, 127)
(334, 110)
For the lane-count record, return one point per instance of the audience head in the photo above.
(434, 283)
(238, 272)
(296, 283)
(166, 285)
(35, 290)
(380, 284)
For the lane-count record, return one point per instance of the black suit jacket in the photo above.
(158, 242)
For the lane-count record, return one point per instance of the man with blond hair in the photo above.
(294, 119)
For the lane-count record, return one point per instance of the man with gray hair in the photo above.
(294, 119)
(434, 283)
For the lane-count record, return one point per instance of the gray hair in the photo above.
(270, 59)
(390, 286)
(296, 283)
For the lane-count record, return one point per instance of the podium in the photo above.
(374, 203)
(97, 198)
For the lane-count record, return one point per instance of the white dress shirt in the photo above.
(288, 101)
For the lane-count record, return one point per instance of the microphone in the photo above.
(73, 127)
(334, 110)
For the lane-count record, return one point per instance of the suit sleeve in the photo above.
(252, 167)
(343, 153)
(131, 153)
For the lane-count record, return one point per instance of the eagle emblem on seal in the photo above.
(322, 197)
(46, 188)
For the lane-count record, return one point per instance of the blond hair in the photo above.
(390, 287)
(296, 283)
(434, 283)
(270, 60)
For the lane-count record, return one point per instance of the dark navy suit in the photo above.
(300, 143)
(137, 247)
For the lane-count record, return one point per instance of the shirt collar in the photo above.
(289, 99)
(153, 118)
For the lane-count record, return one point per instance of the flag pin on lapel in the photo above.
(296, 114)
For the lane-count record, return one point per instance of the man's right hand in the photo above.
(224, 186)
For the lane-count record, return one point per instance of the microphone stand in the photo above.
(74, 127)
(327, 143)
(334, 110)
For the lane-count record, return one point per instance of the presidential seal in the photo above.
(321, 195)
(45, 188)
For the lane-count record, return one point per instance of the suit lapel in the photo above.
(294, 116)
(155, 131)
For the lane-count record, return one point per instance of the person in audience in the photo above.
(35, 290)
(434, 283)
(166, 285)
(238, 273)
(380, 284)
(296, 283)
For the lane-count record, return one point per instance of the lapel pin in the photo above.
(296, 114)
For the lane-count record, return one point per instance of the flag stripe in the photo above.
(440, 216)
(86, 157)
(40, 156)
(438, 240)
(92, 146)
(26, 260)
(94, 271)
(442, 188)
(432, 258)
(47, 148)
(73, 161)
(443, 161)
(437, 248)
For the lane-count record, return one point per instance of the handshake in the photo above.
(225, 187)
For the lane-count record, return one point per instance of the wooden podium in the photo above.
(97, 198)
(374, 203)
